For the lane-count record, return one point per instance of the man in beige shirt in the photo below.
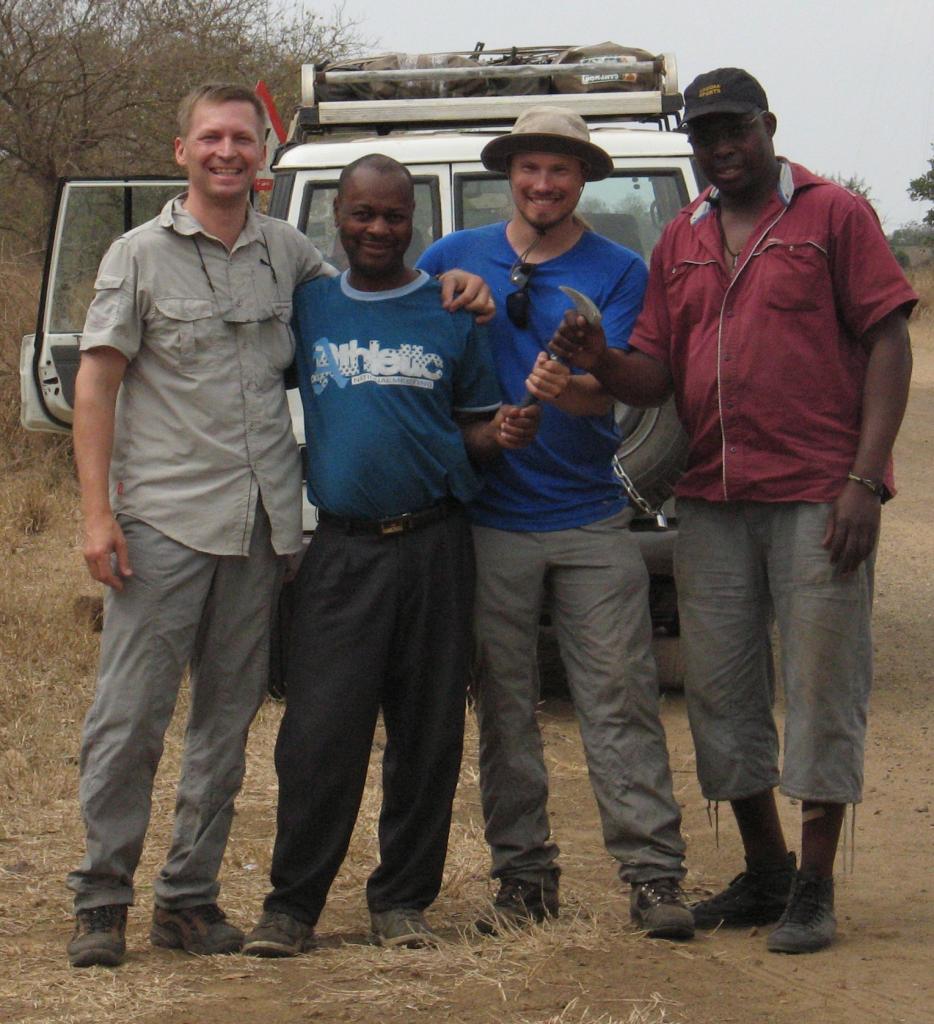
(191, 496)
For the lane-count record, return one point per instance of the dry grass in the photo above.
(49, 660)
(651, 1011)
(41, 839)
(922, 280)
(922, 326)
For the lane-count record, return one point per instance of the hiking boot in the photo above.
(100, 937)
(401, 926)
(808, 923)
(518, 904)
(203, 929)
(756, 896)
(277, 935)
(658, 908)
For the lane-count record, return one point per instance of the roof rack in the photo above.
(413, 95)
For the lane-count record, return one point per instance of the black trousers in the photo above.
(382, 623)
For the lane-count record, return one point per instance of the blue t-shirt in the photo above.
(381, 375)
(564, 478)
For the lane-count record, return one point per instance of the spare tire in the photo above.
(653, 451)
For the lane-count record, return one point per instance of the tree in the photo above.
(922, 189)
(91, 86)
(913, 233)
(853, 183)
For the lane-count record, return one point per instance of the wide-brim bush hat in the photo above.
(545, 129)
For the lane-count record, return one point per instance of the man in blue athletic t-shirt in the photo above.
(401, 401)
(551, 516)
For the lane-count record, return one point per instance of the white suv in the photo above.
(439, 140)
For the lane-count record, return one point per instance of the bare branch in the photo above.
(91, 86)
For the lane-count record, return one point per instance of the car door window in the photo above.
(91, 216)
(633, 207)
(481, 199)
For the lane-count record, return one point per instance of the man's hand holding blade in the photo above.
(548, 379)
(578, 342)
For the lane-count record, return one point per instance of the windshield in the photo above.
(630, 208)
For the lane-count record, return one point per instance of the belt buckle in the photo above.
(390, 526)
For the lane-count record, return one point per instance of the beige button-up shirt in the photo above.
(202, 423)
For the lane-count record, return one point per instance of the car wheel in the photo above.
(653, 451)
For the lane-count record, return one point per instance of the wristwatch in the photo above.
(877, 487)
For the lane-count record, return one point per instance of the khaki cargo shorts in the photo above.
(740, 568)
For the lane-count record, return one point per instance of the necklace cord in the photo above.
(726, 245)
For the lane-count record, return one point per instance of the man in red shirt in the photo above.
(778, 316)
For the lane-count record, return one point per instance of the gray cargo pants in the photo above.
(599, 586)
(180, 607)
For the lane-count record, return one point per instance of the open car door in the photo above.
(88, 215)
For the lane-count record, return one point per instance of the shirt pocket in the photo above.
(185, 330)
(796, 276)
(690, 286)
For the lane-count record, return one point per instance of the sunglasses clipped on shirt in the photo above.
(519, 302)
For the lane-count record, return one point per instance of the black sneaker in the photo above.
(203, 929)
(757, 896)
(100, 937)
(518, 903)
(658, 908)
(808, 923)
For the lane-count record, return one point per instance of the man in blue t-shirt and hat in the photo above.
(551, 516)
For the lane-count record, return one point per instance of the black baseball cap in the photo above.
(723, 91)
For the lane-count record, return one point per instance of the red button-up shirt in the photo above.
(768, 366)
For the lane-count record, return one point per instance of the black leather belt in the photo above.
(397, 524)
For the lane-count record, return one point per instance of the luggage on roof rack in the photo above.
(487, 86)
(363, 79)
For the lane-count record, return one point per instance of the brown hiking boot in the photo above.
(203, 929)
(658, 908)
(519, 903)
(100, 937)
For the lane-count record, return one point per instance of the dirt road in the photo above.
(587, 968)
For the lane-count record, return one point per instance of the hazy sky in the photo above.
(852, 83)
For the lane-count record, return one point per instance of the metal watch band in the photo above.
(876, 486)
